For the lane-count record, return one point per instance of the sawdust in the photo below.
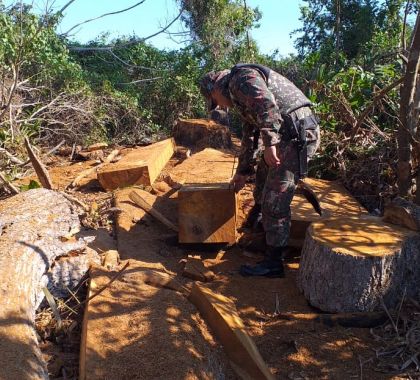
(155, 333)
(138, 331)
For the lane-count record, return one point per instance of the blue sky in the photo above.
(279, 18)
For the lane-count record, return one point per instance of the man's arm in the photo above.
(246, 158)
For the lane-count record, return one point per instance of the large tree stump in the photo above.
(202, 133)
(355, 264)
(33, 225)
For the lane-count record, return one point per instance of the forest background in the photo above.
(357, 60)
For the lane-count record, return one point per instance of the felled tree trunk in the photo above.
(353, 265)
(33, 225)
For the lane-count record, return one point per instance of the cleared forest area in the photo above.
(121, 236)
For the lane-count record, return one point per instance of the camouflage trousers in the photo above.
(275, 188)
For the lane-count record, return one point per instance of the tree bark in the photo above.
(32, 227)
(354, 265)
(408, 125)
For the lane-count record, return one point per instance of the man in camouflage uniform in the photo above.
(273, 109)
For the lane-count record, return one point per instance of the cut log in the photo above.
(335, 201)
(206, 202)
(196, 270)
(202, 133)
(403, 213)
(207, 214)
(352, 264)
(221, 315)
(68, 272)
(32, 225)
(139, 167)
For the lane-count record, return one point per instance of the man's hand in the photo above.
(270, 156)
(238, 181)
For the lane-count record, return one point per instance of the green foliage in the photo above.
(34, 49)
(32, 185)
(347, 28)
(221, 27)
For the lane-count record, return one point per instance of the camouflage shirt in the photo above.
(261, 105)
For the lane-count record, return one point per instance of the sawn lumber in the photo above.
(206, 202)
(221, 315)
(141, 166)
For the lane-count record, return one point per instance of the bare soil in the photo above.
(293, 349)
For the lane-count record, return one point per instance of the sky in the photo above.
(279, 18)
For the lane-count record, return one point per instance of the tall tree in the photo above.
(409, 116)
(343, 26)
(221, 27)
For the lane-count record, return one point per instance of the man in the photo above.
(275, 110)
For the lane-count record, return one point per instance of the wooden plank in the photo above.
(140, 166)
(207, 214)
(221, 315)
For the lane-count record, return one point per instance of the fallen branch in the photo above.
(13, 189)
(142, 203)
(107, 285)
(369, 108)
(40, 169)
(11, 157)
(85, 173)
(75, 200)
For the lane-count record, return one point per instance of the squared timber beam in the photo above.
(221, 315)
(139, 167)
(207, 213)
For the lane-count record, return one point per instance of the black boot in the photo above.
(271, 266)
(254, 219)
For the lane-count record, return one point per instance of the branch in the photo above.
(406, 11)
(101, 16)
(132, 66)
(65, 6)
(133, 42)
(4, 108)
(8, 184)
(142, 80)
(374, 102)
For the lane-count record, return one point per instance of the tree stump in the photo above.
(355, 264)
(202, 133)
(33, 225)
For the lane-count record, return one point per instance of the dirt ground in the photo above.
(293, 349)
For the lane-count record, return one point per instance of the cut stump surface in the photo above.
(351, 264)
(202, 133)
